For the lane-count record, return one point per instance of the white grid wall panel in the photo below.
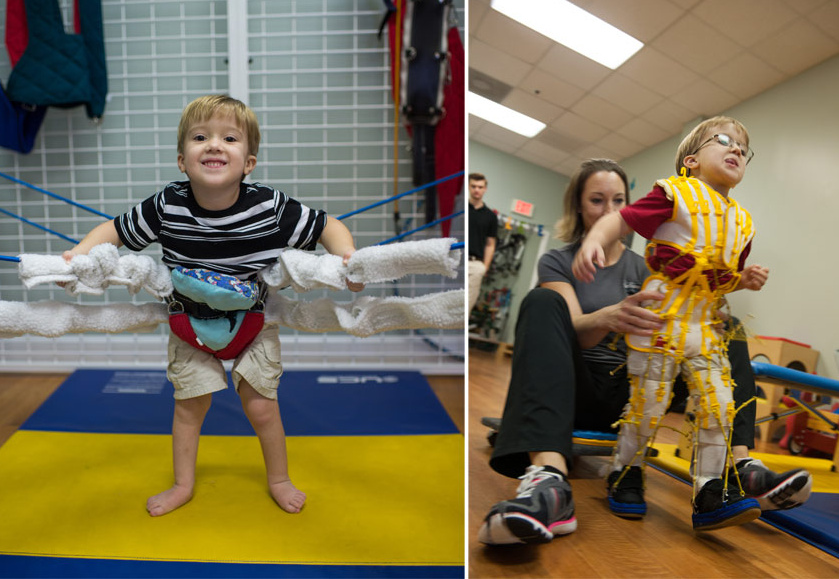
(319, 83)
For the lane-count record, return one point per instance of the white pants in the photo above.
(476, 272)
(692, 347)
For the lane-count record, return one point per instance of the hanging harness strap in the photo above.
(423, 73)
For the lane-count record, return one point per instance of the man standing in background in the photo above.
(483, 235)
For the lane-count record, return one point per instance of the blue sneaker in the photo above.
(626, 493)
(716, 508)
(542, 509)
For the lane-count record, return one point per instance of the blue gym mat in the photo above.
(14, 566)
(312, 403)
(816, 521)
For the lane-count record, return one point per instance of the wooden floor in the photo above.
(662, 545)
(22, 393)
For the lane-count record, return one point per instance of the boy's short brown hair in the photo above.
(206, 107)
(477, 177)
(699, 134)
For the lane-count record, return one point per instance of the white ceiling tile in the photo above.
(602, 112)
(578, 127)
(572, 67)
(805, 7)
(827, 18)
(596, 151)
(658, 72)
(796, 47)
(694, 44)
(498, 138)
(545, 164)
(552, 89)
(500, 134)
(622, 146)
(475, 12)
(584, 4)
(705, 98)
(562, 141)
(532, 106)
(495, 63)
(512, 38)
(475, 123)
(497, 145)
(627, 94)
(685, 4)
(569, 166)
(745, 75)
(745, 21)
(669, 116)
(542, 152)
(641, 19)
(643, 132)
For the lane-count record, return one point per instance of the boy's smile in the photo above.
(216, 158)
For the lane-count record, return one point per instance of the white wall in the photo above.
(793, 197)
(511, 178)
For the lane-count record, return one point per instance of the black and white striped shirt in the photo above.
(238, 241)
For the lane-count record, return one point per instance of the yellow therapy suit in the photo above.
(705, 237)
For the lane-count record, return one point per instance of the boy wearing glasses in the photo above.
(699, 241)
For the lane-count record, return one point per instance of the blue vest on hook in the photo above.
(60, 69)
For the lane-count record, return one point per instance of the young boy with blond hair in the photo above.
(214, 225)
(699, 240)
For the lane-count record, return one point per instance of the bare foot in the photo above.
(287, 496)
(168, 500)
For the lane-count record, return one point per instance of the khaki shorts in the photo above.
(476, 272)
(195, 372)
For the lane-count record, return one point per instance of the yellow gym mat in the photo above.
(371, 500)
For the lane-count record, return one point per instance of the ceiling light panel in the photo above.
(573, 27)
(502, 116)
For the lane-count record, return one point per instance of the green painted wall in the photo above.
(511, 178)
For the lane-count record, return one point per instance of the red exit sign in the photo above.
(522, 207)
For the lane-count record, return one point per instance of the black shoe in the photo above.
(626, 493)
(773, 491)
(715, 508)
(542, 509)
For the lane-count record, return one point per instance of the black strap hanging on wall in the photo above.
(424, 58)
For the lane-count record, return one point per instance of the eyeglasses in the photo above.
(727, 141)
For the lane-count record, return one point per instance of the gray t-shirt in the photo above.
(611, 285)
